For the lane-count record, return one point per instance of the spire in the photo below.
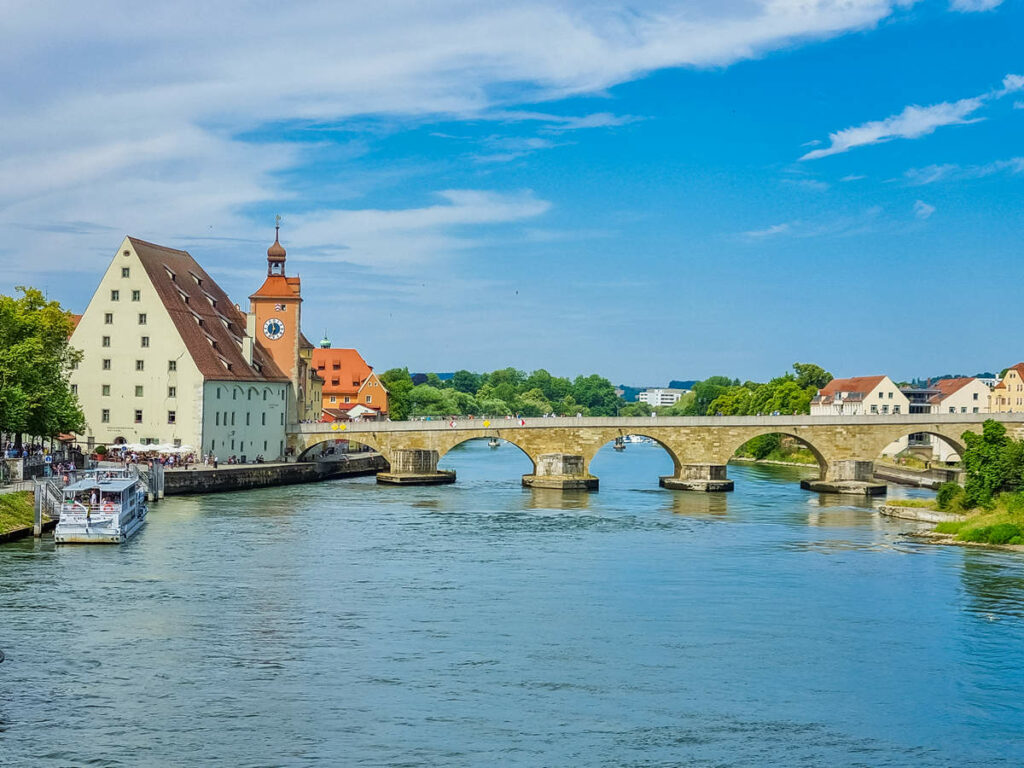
(276, 253)
(325, 343)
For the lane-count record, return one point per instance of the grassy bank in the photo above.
(1003, 524)
(783, 454)
(16, 511)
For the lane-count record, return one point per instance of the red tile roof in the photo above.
(279, 287)
(174, 276)
(350, 374)
(862, 384)
(947, 387)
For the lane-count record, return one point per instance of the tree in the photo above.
(705, 392)
(636, 409)
(36, 360)
(466, 381)
(992, 464)
(811, 375)
(597, 394)
(533, 403)
(398, 384)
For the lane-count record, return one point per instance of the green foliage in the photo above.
(35, 363)
(785, 394)
(809, 375)
(596, 394)
(1000, 533)
(761, 447)
(949, 493)
(101, 450)
(398, 383)
(993, 462)
(465, 381)
(17, 510)
(638, 409)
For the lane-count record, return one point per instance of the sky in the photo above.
(645, 190)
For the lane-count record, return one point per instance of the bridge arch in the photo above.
(823, 462)
(314, 440)
(650, 434)
(950, 437)
(448, 445)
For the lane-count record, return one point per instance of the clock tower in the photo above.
(275, 313)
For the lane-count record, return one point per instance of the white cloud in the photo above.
(973, 6)
(150, 118)
(922, 210)
(914, 121)
(774, 229)
(834, 225)
(949, 171)
(853, 177)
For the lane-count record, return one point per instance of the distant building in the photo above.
(348, 382)
(660, 397)
(859, 395)
(1008, 394)
(959, 395)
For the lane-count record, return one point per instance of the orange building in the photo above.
(275, 317)
(348, 382)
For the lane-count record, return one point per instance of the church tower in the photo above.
(275, 313)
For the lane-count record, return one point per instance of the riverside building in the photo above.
(169, 358)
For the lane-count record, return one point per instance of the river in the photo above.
(485, 624)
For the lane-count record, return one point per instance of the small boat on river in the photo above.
(494, 442)
(101, 507)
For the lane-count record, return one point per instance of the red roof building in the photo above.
(348, 381)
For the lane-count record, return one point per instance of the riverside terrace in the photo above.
(561, 449)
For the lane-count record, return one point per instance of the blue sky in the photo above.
(649, 190)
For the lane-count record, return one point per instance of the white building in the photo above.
(659, 397)
(167, 359)
(960, 395)
(859, 395)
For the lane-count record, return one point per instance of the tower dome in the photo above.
(276, 252)
(325, 343)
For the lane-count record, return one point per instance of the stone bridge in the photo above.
(561, 449)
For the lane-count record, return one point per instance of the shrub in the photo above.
(1003, 533)
(950, 527)
(101, 450)
(948, 493)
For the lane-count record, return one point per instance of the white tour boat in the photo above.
(102, 507)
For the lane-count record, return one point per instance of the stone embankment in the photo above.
(920, 514)
(919, 478)
(241, 477)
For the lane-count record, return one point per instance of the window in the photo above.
(216, 419)
(140, 365)
(885, 409)
(335, 382)
(282, 419)
(369, 399)
(125, 272)
(881, 395)
(334, 399)
(74, 389)
(106, 341)
(337, 366)
(106, 364)
(138, 390)
(232, 418)
(234, 394)
(138, 416)
(172, 365)
(890, 395)
(136, 295)
(105, 390)
(108, 318)
(895, 408)
(975, 395)
(105, 416)
(963, 409)
(177, 442)
(247, 419)
(142, 318)
(264, 420)
(264, 395)
(218, 393)
(975, 410)
(952, 409)
(348, 399)
(172, 391)
(115, 295)
(145, 341)
(170, 417)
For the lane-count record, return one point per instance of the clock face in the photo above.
(273, 329)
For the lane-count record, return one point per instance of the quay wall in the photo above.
(921, 478)
(247, 476)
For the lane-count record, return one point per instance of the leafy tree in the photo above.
(553, 387)
(636, 409)
(465, 381)
(993, 462)
(398, 384)
(35, 363)
(811, 375)
(533, 403)
(705, 392)
(597, 394)
(435, 381)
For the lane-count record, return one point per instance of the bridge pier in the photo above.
(415, 467)
(698, 477)
(849, 476)
(561, 471)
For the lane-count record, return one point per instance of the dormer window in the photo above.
(170, 274)
(197, 278)
(184, 296)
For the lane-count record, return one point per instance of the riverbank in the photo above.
(243, 477)
(921, 514)
(775, 462)
(17, 515)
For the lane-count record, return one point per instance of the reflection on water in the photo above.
(482, 623)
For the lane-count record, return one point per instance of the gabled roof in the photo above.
(947, 387)
(350, 374)
(175, 275)
(279, 287)
(862, 384)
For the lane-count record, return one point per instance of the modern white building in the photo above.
(168, 359)
(659, 397)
